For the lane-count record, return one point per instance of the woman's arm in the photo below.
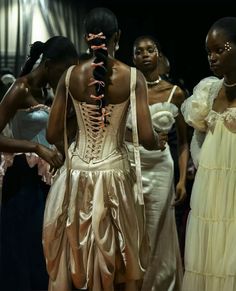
(55, 127)
(149, 139)
(15, 99)
(183, 149)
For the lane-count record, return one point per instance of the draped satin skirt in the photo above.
(94, 229)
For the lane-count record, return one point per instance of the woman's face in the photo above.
(145, 55)
(221, 53)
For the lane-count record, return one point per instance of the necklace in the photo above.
(229, 85)
(153, 82)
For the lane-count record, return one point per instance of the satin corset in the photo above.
(30, 124)
(94, 142)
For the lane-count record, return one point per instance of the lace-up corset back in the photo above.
(95, 141)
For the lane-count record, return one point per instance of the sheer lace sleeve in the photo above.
(196, 108)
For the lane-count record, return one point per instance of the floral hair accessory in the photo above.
(228, 46)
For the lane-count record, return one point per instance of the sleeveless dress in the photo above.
(94, 224)
(164, 272)
(24, 193)
(210, 259)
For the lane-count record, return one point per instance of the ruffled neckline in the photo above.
(163, 115)
(36, 108)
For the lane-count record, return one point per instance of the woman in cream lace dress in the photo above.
(210, 257)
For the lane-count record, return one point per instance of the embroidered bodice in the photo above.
(96, 141)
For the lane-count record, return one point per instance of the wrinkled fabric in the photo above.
(32, 160)
(210, 263)
(22, 264)
(164, 271)
(94, 233)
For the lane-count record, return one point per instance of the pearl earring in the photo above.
(117, 47)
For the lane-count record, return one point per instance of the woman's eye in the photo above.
(151, 50)
(220, 50)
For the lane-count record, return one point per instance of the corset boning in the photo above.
(97, 140)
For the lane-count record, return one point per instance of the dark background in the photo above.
(180, 27)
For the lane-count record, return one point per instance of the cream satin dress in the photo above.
(210, 258)
(94, 231)
(164, 272)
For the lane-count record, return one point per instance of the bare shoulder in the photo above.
(21, 84)
(179, 96)
(19, 88)
(82, 72)
(118, 66)
(140, 76)
(17, 96)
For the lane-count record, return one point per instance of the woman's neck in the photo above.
(152, 79)
(151, 76)
(36, 79)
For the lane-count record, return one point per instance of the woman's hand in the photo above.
(180, 193)
(162, 140)
(52, 156)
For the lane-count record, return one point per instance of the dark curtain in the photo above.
(61, 17)
(15, 32)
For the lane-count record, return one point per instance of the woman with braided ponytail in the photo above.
(26, 159)
(94, 230)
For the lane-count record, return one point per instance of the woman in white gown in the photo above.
(165, 268)
(210, 258)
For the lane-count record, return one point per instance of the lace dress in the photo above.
(24, 193)
(164, 271)
(210, 259)
(94, 224)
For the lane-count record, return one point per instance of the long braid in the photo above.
(98, 44)
(100, 25)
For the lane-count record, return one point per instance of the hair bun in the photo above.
(36, 49)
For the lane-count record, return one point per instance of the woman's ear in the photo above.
(116, 40)
(117, 37)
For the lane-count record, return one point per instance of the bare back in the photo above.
(117, 84)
